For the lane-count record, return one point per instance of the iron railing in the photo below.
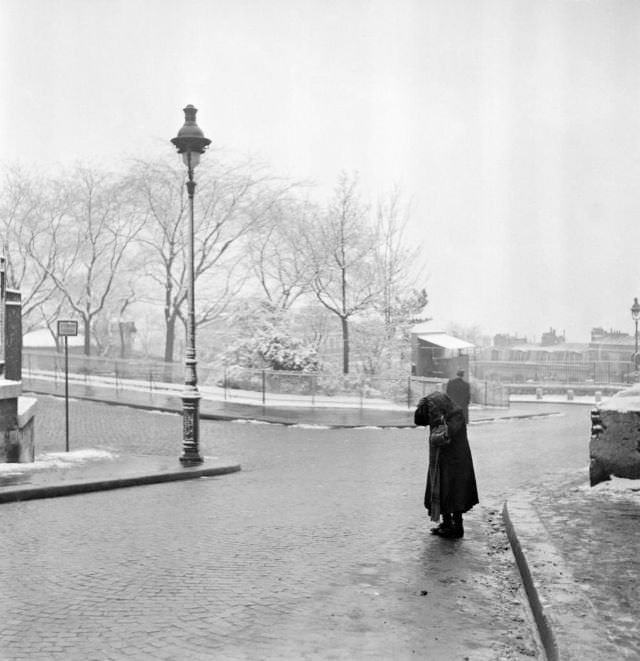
(232, 383)
(584, 372)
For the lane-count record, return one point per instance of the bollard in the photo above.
(570, 394)
(598, 396)
(538, 393)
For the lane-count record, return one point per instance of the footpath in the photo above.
(575, 546)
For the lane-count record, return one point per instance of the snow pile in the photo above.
(617, 488)
(57, 460)
(625, 400)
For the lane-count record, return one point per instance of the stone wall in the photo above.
(615, 437)
(17, 413)
(12, 335)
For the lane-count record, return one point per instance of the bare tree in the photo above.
(342, 251)
(229, 201)
(278, 264)
(23, 214)
(401, 265)
(90, 226)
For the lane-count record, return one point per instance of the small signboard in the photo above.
(67, 328)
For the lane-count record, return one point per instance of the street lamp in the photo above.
(191, 143)
(635, 315)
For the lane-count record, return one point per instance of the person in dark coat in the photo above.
(460, 392)
(451, 482)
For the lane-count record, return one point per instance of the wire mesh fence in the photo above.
(239, 384)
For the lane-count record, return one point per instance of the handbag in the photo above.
(439, 435)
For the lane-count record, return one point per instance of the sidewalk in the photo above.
(577, 550)
(65, 474)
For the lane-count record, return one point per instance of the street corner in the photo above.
(83, 471)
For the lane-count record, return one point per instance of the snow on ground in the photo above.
(251, 421)
(617, 488)
(57, 460)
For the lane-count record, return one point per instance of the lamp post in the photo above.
(191, 143)
(635, 315)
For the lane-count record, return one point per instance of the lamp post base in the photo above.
(191, 430)
(191, 459)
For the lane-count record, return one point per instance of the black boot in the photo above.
(447, 523)
(456, 530)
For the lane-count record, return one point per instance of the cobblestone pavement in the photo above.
(318, 549)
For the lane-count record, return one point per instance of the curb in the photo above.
(518, 416)
(539, 611)
(273, 419)
(15, 494)
(567, 622)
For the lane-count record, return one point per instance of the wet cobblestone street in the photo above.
(318, 549)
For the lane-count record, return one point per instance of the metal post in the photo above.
(264, 381)
(635, 357)
(190, 395)
(66, 393)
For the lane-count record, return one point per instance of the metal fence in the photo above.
(593, 372)
(237, 384)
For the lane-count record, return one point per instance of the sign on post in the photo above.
(66, 328)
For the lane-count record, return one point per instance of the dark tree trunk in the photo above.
(345, 345)
(170, 339)
(86, 322)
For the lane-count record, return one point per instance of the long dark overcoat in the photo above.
(458, 489)
(460, 392)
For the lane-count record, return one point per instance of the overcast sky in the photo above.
(512, 125)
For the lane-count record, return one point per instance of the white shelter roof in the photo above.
(445, 341)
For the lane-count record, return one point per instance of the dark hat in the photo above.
(460, 373)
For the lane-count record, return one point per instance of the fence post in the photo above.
(224, 383)
(409, 392)
(486, 386)
(150, 380)
(115, 372)
(264, 383)
(314, 381)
